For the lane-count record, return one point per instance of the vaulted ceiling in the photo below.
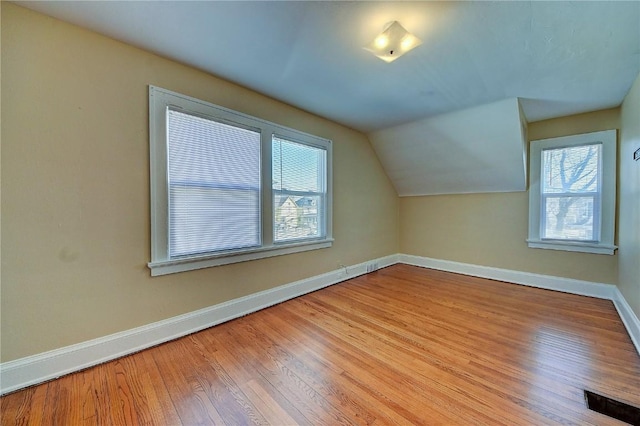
(557, 58)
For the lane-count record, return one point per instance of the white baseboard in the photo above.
(629, 318)
(39, 368)
(566, 285)
(49, 365)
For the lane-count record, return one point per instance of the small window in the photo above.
(572, 193)
(227, 187)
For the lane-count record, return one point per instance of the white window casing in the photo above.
(212, 186)
(576, 171)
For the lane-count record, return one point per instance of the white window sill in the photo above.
(573, 246)
(172, 266)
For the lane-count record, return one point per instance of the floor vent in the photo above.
(612, 408)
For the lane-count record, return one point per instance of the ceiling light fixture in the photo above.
(393, 42)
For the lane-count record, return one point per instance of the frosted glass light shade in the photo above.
(393, 42)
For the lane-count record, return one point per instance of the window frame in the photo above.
(607, 193)
(160, 100)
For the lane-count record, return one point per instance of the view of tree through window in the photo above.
(571, 197)
(299, 190)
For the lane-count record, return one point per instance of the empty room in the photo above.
(320, 213)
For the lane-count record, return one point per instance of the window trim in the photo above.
(605, 245)
(161, 264)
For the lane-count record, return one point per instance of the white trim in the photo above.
(38, 368)
(189, 264)
(628, 317)
(573, 246)
(567, 285)
(49, 365)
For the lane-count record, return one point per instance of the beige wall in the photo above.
(491, 229)
(629, 194)
(75, 195)
(75, 190)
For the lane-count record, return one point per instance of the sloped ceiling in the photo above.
(558, 58)
(479, 149)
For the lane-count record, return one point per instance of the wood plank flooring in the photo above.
(402, 345)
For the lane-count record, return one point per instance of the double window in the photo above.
(572, 193)
(227, 187)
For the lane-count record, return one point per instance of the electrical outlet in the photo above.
(372, 267)
(636, 155)
(344, 268)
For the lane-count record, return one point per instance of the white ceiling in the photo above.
(444, 118)
(559, 58)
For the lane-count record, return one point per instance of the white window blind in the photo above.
(299, 190)
(214, 185)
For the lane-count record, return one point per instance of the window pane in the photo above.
(214, 185)
(297, 167)
(299, 176)
(297, 217)
(569, 218)
(571, 170)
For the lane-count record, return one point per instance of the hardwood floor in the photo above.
(403, 345)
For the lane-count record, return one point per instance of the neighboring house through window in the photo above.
(296, 218)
